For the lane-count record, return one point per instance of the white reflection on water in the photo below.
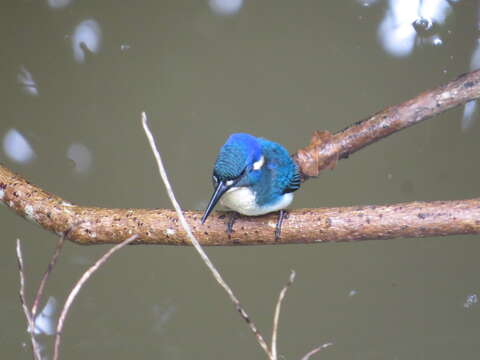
(436, 40)
(25, 79)
(45, 322)
(87, 37)
(353, 292)
(470, 109)
(58, 4)
(470, 301)
(469, 112)
(17, 147)
(161, 316)
(405, 19)
(225, 7)
(81, 157)
(367, 3)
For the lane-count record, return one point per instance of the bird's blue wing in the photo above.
(295, 181)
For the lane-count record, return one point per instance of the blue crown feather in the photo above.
(238, 151)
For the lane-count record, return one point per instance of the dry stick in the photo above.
(47, 273)
(317, 349)
(196, 244)
(277, 313)
(30, 319)
(73, 293)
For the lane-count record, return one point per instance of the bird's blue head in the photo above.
(236, 157)
(238, 164)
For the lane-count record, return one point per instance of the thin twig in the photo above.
(73, 293)
(50, 267)
(317, 349)
(196, 244)
(277, 313)
(30, 319)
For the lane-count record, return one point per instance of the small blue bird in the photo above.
(253, 176)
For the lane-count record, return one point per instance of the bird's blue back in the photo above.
(281, 174)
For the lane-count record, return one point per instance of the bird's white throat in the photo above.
(242, 200)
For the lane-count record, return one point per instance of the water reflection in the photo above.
(470, 301)
(353, 292)
(124, 47)
(87, 38)
(16, 147)
(25, 79)
(58, 4)
(470, 109)
(407, 21)
(225, 7)
(81, 157)
(45, 322)
(161, 315)
(469, 112)
(367, 3)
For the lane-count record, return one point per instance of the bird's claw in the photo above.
(231, 220)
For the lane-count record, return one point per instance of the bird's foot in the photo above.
(232, 216)
(283, 214)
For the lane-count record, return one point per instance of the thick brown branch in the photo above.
(325, 149)
(417, 219)
(100, 226)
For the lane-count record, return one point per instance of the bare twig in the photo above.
(50, 267)
(317, 349)
(30, 319)
(73, 293)
(195, 242)
(277, 313)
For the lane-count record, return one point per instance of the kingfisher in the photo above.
(253, 176)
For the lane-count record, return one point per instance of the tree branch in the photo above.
(416, 219)
(325, 149)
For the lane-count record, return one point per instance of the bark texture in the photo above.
(90, 225)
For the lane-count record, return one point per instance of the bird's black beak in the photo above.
(219, 191)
